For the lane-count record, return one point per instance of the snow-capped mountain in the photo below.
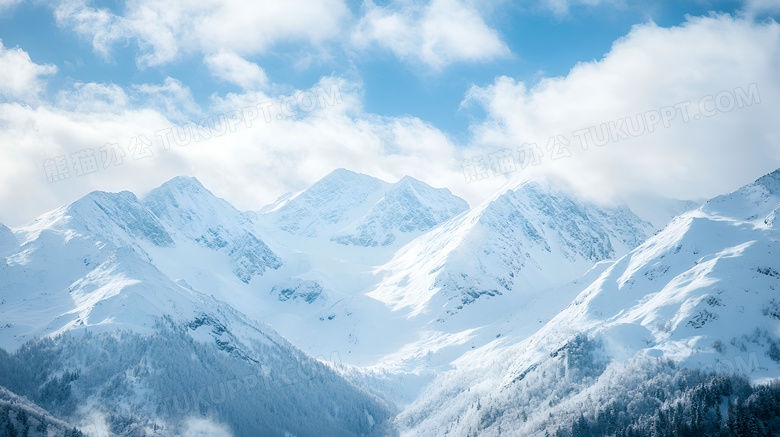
(330, 202)
(8, 241)
(180, 211)
(701, 294)
(188, 209)
(359, 210)
(87, 274)
(402, 282)
(509, 244)
(407, 207)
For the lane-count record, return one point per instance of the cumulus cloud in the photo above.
(93, 97)
(436, 34)
(20, 77)
(172, 99)
(234, 69)
(165, 30)
(757, 6)
(260, 155)
(715, 151)
(100, 25)
(272, 144)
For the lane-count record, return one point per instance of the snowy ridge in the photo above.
(508, 244)
(409, 206)
(357, 210)
(8, 241)
(188, 209)
(114, 218)
(92, 292)
(702, 293)
(330, 202)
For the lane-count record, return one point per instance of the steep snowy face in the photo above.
(353, 209)
(702, 293)
(408, 207)
(333, 201)
(8, 241)
(190, 211)
(529, 237)
(113, 218)
(707, 285)
(60, 282)
(138, 337)
(756, 202)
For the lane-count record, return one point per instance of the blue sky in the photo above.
(542, 43)
(426, 83)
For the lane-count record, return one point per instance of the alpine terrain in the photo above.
(364, 307)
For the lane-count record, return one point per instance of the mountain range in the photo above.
(363, 307)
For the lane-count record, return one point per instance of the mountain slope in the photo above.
(530, 237)
(353, 209)
(19, 416)
(8, 242)
(330, 202)
(409, 206)
(188, 209)
(128, 334)
(701, 294)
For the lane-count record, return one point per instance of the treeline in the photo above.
(16, 420)
(139, 381)
(694, 404)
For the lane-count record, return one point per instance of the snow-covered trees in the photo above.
(151, 384)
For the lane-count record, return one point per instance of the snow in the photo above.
(314, 265)
(702, 293)
(509, 244)
(429, 304)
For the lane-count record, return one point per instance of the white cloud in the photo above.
(8, 4)
(758, 6)
(20, 77)
(93, 97)
(165, 30)
(234, 69)
(651, 68)
(250, 167)
(435, 34)
(172, 99)
(104, 28)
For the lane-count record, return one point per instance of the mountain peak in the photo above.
(183, 183)
(420, 188)
(771, 182)
(752, 202)
(103, 197)
(111, 215)
(181, 192)
(344, 176)
(329, 202)
(407, 207)
(409, 181)
(8, 240)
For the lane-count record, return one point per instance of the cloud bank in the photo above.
(301, 138)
